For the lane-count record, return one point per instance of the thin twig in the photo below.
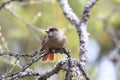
(23, 20)
(18, 54)
(109, 30)
(86, 12)
(27, 2)
(41, 54)
(83, 72)
(3, 40)
(29, 25)
(7, 2)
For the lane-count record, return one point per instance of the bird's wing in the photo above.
(43, 44)
(49, 56)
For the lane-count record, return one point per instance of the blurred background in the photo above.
(22, 28)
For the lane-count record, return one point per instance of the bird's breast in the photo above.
(57, 42)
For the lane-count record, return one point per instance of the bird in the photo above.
(54, 39)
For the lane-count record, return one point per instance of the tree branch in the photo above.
(35, 57)
(86, 12)
(80, 26)
(29, 25)
(7, 2)
(18, 54)
(109, 30)
(68, 12)
(82, 31)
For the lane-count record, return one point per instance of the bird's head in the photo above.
(52, 31)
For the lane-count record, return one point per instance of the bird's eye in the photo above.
(51, 29)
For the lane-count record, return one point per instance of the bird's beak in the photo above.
(47, 31)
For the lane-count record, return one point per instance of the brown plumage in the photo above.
(54, 39)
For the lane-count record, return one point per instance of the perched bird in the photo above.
(54, 39)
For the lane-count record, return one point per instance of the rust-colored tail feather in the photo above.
(48, 57)
(51, 56)
(44, 58)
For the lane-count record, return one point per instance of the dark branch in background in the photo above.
(7, 2)
(27, 2)
(109, 30)
(114, 54)
(29, 25)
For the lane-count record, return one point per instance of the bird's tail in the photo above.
(48, 57)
